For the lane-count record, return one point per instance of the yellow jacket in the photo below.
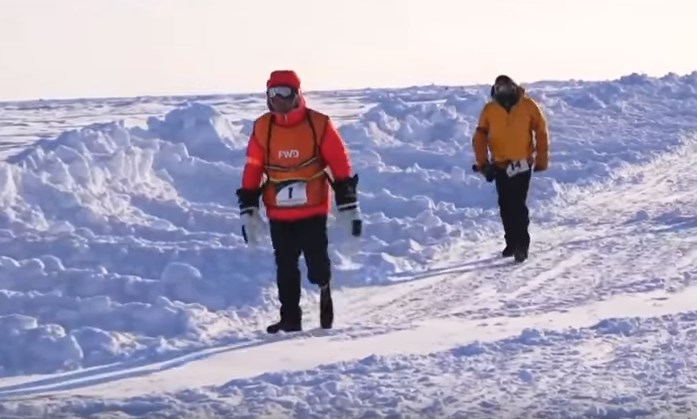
(508, 135)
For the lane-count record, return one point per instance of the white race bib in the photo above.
(517, 167)
(292, 194)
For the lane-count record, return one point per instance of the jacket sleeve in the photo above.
(334, 153)
(254, 165)
(480, 141)
(539, 127)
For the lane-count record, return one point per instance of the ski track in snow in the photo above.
(126, 291)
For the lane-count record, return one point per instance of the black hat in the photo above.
(501, 79)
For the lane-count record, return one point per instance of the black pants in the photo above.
(290, 239)
(513, 208)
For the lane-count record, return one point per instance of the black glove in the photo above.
(252, 224)
(488, 171)
(248, 199)
(346, 199)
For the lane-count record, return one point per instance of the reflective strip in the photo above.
(288, 169)
(304, 179)
(253, 161)
(348, 206)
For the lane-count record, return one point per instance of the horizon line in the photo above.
(324, 91)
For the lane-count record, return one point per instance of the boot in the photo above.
(326, 307)
(288, 323)
(507, 251)
(284, 326)
(520, 255)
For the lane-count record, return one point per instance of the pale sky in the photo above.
(96, 48)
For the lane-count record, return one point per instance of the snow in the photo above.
(126, 289)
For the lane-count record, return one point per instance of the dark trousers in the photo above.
(512, 195)
(290, 239)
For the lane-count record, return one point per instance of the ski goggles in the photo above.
(282, 91)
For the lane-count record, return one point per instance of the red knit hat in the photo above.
(284, 78)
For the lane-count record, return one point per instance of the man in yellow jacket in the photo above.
(506, 152)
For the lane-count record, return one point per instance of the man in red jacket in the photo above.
(294, 155)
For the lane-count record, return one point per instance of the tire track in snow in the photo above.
(539, 280)
(309, 350)
(479, 288)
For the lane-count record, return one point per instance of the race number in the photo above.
(517, 167)
(292, 194)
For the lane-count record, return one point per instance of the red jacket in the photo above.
(332, 150)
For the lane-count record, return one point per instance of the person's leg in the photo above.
(506, 205)
(287, 248)
(520, 214)
(315, 247)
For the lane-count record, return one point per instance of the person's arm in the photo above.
(335, 153)
(345, 184)
(249, 192)
(539, 128)
(254, 165)
(480, 140)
